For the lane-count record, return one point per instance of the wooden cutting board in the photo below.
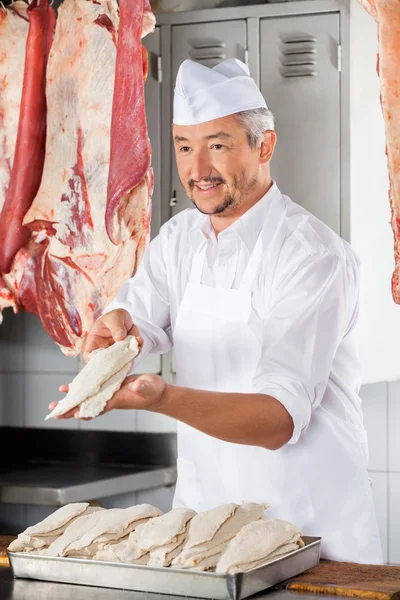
(5, 541)
(349, 579)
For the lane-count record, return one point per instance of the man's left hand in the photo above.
(145, 391)
(137, 392)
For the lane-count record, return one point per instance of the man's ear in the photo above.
(267, 146)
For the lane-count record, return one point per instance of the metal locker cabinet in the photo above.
(152, 92)
(300, 80)
(209, 44)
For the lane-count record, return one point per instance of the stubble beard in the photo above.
(241, 187)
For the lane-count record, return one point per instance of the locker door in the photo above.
(208, 43)
(152, 94)
(300, 80)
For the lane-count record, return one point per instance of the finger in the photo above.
(63, 388)
(119, 323)
(66, 415)
(76, 415)
(135, 331)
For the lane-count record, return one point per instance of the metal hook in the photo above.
(51, 2)
(3, 7)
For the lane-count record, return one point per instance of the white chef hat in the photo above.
(203, 94)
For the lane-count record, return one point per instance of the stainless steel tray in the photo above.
(165, 579)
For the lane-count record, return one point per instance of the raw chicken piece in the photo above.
(53, 524)
(387, 15)
(74, 531)
(164, 529)
(164, 536)
(196, 550)
(126, 550)
(152, 543)
(255, 543)
(164, 555)
(111, 525)
(205, 525)
(94, 405)
(96, 383)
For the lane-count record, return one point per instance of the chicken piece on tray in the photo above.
(47, 531)
(210, 532)
(257, 543)
(109, 528)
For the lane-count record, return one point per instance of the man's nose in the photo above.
(200, 167)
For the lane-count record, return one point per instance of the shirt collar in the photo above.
(247, 227)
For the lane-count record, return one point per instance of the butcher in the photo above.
(259, 301)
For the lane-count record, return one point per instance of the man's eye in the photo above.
(218, 146)
(184, 149)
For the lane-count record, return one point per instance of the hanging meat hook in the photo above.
(3, 7)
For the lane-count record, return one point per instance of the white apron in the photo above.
(320, 484)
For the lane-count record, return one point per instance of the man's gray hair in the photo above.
(255, 122)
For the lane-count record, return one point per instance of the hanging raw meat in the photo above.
(387, 15)
(14, 26)
(27, 167)
(70, 269)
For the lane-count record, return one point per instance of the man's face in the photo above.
(216, 165)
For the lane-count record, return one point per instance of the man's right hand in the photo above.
(108, 329)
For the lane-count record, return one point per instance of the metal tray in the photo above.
(165, 579)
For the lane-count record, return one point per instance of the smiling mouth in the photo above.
(207, 188)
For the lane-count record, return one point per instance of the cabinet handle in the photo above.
(159, 69)
(173, 201)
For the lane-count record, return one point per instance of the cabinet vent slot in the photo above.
(208, 51)
(299, 56)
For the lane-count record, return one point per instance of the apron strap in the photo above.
(267, 232)
(197, 264)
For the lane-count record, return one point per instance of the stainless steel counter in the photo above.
(59, 484)
(26, 589)
(62, 466)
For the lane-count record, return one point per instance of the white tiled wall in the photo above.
(381, 406)
(32, 367)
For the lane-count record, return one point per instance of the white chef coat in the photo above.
(273, 306)
(306, 295)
